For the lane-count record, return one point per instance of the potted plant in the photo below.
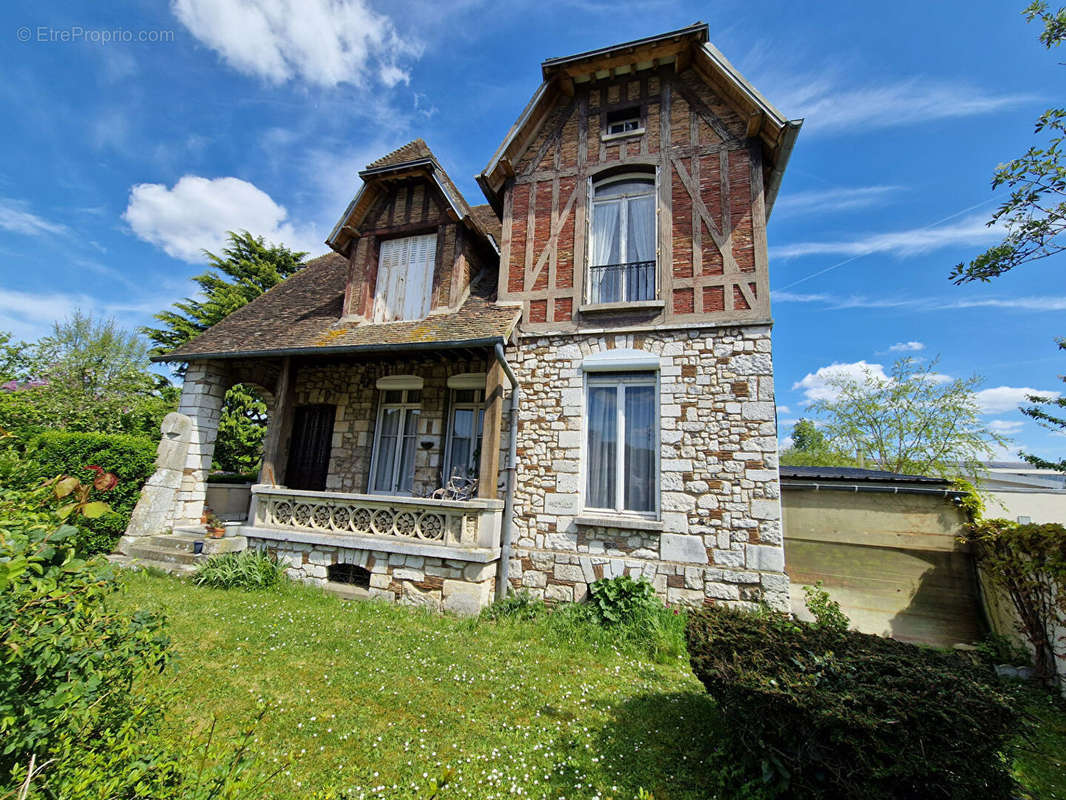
(213, 525)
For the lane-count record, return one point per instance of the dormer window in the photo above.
(405, 278)
(622, 257)
(624, 120)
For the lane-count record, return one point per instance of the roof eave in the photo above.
(783, 153)
(457, 204)
(456, 344)
(548, 66)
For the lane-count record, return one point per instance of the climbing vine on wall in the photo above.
(1028, 563)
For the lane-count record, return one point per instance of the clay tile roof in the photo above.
(302, 315)
(486, 219)
(412, 151)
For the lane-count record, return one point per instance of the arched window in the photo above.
(622, 235)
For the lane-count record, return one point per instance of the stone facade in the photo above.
(437, 584)
(719, 537)
(351, 387)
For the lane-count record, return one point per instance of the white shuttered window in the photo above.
(405, 278)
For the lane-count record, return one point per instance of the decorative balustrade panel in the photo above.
(362, 517)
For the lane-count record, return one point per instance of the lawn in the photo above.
(373, 700)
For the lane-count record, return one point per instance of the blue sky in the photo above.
(123, 159)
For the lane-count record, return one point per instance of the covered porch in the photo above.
(385, 461)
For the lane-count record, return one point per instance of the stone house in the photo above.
(571, 381)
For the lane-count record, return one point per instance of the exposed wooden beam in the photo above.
(275, 444)
(489, 471)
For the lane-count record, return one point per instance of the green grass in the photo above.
(369, 699)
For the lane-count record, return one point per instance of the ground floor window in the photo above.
(395, 435)
(622, 446)
(465, 423)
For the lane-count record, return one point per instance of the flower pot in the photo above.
(216, 533)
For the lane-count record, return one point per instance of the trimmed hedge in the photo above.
(814, 713)
(131, 458)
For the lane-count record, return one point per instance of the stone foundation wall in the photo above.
(461, 587)
(721, 536)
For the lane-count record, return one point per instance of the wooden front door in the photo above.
(312, 439)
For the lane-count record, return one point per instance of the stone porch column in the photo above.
(201, 400)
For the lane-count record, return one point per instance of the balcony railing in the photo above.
(618, 283)
(455, 523)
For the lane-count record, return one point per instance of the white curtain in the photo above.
(606, 284)
(602, 446)
(640, 448)
(387, 447)
(640, 247)
(405, 479)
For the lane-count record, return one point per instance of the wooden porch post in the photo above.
(279, 427)
(489, 475)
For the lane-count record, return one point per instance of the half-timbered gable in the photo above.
(412, 242)
(635, 189)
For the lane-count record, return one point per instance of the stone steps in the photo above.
(126, 562)
(176, 552)
(164, 553)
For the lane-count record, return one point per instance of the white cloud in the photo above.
(784, 410)
(938, 304)
(323, 42)
(998, 399)
(29, 315)
(829, 106)
(14, 218)
(906, 347)
(898, 243)
(1018, 303)
(196, 213)
(1005, 427)
(816, 386)
(836, 199)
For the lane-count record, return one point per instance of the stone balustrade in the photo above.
(448, 523)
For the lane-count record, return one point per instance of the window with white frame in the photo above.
(624, 120)
(622, 413)
(622, 239)
(405, 278)
(465, 422)
(395, 435)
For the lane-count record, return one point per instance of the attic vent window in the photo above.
(624, 120)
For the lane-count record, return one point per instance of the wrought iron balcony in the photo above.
(617, 283)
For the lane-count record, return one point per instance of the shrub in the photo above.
(67, 661)
(827, 612)
(131, 458)
(78, 718)
(816, 713)
(616, 599)
(516, 605)
(1028, 564)
(248, 570)
(233, 477)
(996, 648)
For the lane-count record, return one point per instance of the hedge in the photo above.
(814, 713)
(131, 458)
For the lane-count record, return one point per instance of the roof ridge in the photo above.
(414, 149)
